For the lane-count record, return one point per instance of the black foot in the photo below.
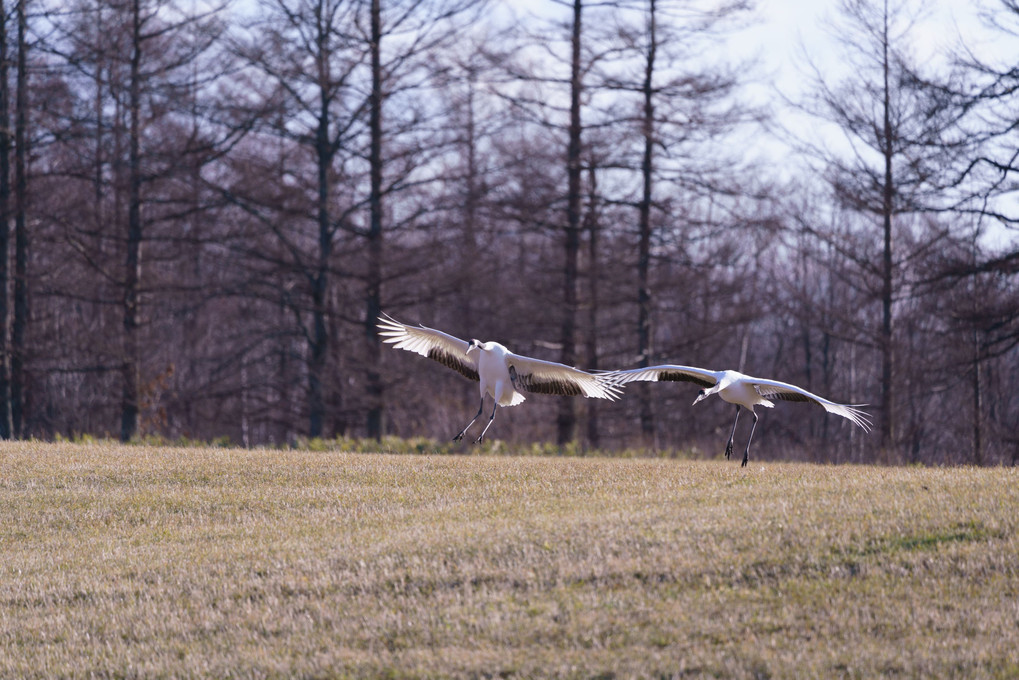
(458, 437)
(746, 457)
(728, 450)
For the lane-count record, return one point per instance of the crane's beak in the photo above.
(700, 395)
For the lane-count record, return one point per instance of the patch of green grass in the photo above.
(123, 561)
(926, 540)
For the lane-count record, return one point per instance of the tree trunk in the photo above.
(567, 419)
(130, 369)
(97, 104)
(593, 277)
(887, 349)
(373, 302)
(5, 220)
(20, 326)
(644, 349)
(978, 445)
(469, 266)
(324, 153)
(320, 280)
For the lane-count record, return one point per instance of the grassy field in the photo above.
(142, 561)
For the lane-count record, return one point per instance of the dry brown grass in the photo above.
(148, 562)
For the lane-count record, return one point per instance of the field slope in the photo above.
(133, 561)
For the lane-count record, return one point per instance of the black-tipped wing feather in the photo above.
(548, 377)
(676, 376)
(460, 364)
(775, 389)
(538, 384)
(446, 349)
(668, 372)
(784, 396)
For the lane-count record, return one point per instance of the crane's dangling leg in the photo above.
(490, 420)
(476, 415)
(746, 454)
(728, 447)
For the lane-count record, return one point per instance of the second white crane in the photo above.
(743, 391)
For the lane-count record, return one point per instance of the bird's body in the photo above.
(739, 391)
(494, 375)
(743, 391)
(501, 374)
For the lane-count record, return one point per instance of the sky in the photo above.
(788, 27)
(791, 28)
(782, 34)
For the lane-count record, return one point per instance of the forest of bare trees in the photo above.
(205, 206)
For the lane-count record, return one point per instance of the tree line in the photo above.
(204, 207)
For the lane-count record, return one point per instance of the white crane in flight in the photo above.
(502, 375)
(742, 390)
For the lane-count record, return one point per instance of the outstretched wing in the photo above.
(775, 389)
(669, 372)
(549, 377)
(428, 342)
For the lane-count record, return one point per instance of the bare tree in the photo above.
(984, 93)
(135, 132)
(310, 58)
(19, 326)
(190, 280)
(373, 293)
(899, 138)
(984, 186)
(5, 217)
(420, 32)
(683, 102)
(571, 241)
